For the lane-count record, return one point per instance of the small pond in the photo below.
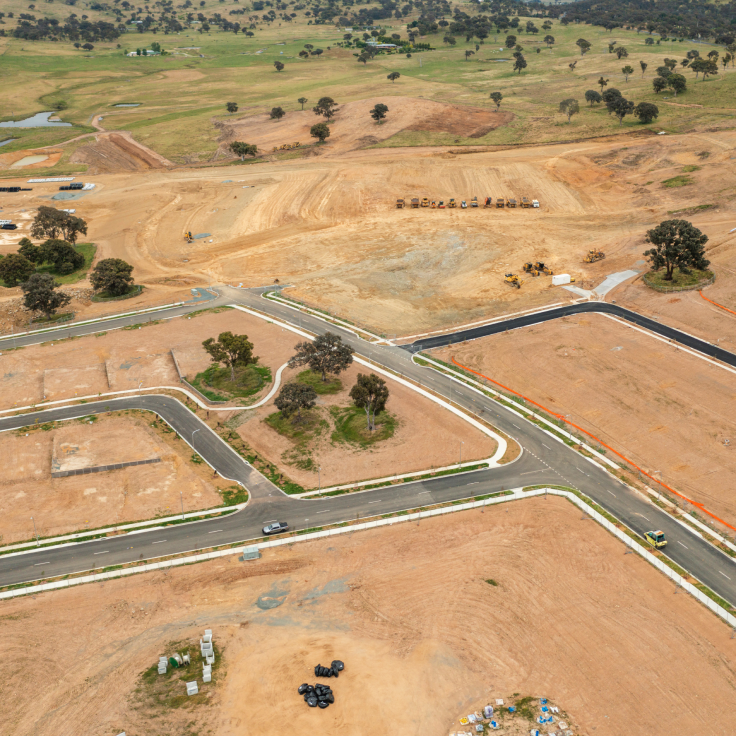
(39, 120)
(9, 140)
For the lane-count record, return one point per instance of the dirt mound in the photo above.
(353, 127)
(116, 152)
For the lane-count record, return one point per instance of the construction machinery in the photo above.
(425, 202)
(513, 280)
(441, 205)
(474, 202)
(452, 203)
(414, 203)
(535, 204)
(188, 236)
(656, 539)
(529, 268)
(594, 255)
(539, 266)
(488, 202)
(400, 204)
(511, 203)
(526, 202)
(433, 205)
(464, 205)
(500, 203)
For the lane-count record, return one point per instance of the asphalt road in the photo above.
(544, 460)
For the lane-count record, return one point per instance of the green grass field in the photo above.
(183, 94)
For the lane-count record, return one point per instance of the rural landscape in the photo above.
(371, 357)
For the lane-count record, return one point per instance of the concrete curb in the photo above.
(517, 494)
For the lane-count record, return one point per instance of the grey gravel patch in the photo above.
(272, 598)
(334, 586)
(201, 235)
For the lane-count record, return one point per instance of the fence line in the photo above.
(517, 494)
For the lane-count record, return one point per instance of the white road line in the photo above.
(474, 483)
(214, 531)
(418, 494)
(680, 543)
(101, 553)
(612, 493)
(547, 446)
(323, 512)
(379, 501)
(42, 563)
(160, 541)
(529, 472)
(724, 574)
(581, 471)
(516, 425)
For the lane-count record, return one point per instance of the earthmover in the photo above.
(188, 236)
(513, 280)
(425, 202)
(414, 203)
(529, 268)
(594, 255)
(488, 202)
(452, 203)
(511, 203)
(400, 204)
(474, 202)
(441, 205)
(526, 202)
(433, 205)
(543, 269)
(464, 204)
(500, 202)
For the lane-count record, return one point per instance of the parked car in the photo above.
(276, 527)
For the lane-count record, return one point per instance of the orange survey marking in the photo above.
(716, 303)
(696, 504)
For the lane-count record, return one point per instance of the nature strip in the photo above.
(696, 504)
(716, 303)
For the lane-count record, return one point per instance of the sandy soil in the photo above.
(426, 437)
(423, 636)
(664, 409)
(116, 152)
(10, 160)
(328, 225)
(352, 127)
(62, 505)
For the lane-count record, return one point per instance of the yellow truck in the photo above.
(656, 539)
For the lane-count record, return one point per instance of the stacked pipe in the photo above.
(321, 696)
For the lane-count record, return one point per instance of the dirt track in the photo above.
(423, 636)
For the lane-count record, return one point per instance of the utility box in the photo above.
(560, 279)
(251, 553)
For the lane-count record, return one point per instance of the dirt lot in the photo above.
(328, 224)
(426, 436)
(74, 503)
(354, 128)
(423, 636)
(664, 409)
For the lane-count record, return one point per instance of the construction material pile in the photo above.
(320, 696)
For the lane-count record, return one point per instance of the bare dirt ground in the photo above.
(426, 437)
(74, 503)
(13, 160)
(657, 405)
(423, 636)
(328, 224)
(115, 152)
(128, 359)
(354, 128)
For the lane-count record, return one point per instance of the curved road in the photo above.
(544, 461)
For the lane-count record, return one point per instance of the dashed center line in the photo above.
(681, 544)
(724, 574)
(322, 512)
(547, 446)
(529, 472)
(160, 541)
(214, 531)
(612, 493)
(42, 563)
(101, 553)
(474, 483)
(516, 425)
(379, 501)
(418, 494)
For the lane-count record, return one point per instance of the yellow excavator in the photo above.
(425, 202)
(594, 255)
(188, 236)
(543, 269)
(513, 280)
(529, 268)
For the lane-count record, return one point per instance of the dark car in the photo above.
(276, 527)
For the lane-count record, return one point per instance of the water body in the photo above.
(39, 120)
(27, 161)
(128, 104)
(9, 140)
